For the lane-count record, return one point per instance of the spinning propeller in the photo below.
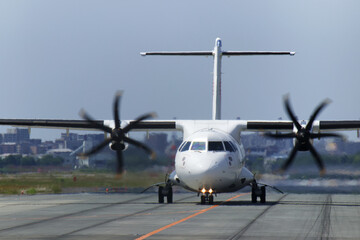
(118, 135)
(303, 136)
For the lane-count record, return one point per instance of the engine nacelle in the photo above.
(116, 146)
(302, 146)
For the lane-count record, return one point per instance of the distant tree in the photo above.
(49, 160)
(356, 159)
(12, 160)
(28, 161)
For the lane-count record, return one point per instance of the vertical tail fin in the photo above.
(217, 54)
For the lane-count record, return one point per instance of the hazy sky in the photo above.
(57, 57)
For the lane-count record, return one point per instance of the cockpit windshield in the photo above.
(229, 147)
(215, 146)
(185, 147)
(198, 146)
(212, 146)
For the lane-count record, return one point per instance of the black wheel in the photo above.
(253, 196)
(263, 194)
(161, 195)
(202, 199)
(211, 199)
(170, 195)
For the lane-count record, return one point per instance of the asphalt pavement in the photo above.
(139, 216)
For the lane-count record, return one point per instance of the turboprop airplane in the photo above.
(210, 159)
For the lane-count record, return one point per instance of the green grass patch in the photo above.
(31, 191)
(35, 183)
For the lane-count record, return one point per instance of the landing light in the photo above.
(210, 191)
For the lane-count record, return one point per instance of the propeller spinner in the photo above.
(303, 136)
(118, 136)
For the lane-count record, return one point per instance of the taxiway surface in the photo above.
(132, 216)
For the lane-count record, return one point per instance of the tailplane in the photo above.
(217, 54)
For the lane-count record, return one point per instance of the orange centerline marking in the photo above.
(187, 218)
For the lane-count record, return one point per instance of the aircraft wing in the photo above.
(83, 124)
(49, 123)
(335, 125)
(190, 125)
(269, 126)
(339, 125)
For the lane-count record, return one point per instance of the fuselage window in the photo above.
(185, 147)
(228, 147)
(215, 146)
(198, 146)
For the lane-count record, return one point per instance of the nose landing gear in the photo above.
(207, 196)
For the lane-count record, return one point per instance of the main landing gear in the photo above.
(256, 192)
(165, 192)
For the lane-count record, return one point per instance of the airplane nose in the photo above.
(207, 173)
(198, 166)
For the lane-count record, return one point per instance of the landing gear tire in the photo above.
(207, 198)
(211, 199)
(169, 195)
(161, 195)
(165, 192)
(263, 194)
(256, 192)
(202, 199)
(253, 196)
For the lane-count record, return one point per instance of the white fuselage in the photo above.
(211, 159)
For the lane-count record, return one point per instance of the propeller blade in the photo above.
(88, 118)
(97, 148)
(288, 162)
(304, 135)
(291, 113)
(116, 108)
(316, 112)
(286, 135)
(120, 162)
(140, 145)
(324, 135)
(117, 134)
(136, 121)
(318, 159)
